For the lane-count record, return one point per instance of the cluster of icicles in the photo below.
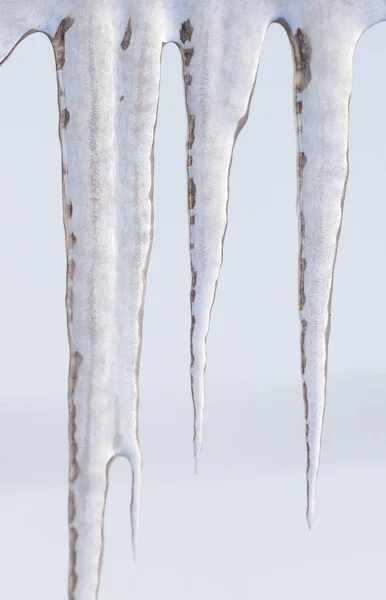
(108, 56)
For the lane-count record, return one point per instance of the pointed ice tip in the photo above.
(310, 504)
(134, 548)
(197, 451)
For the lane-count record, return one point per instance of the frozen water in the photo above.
(108, 56)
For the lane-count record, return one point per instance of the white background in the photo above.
(237, 531)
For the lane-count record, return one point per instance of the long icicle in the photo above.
(323, 81)
(219, 69)
(107, 133)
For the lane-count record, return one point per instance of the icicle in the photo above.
(108, 70)
(220, 50)
(323, 57)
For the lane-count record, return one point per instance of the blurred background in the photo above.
(237, 531)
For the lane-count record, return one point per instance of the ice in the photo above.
(107, 138)
(108, 56)
(220, 65)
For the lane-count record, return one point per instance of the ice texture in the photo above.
(108, 55)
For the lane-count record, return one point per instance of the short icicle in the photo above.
(323, 79)
(220, 67)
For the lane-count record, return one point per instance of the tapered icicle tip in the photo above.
(134, 548)
(198, 403)
(311, 494)
(197, 445)
(310, 517)
(136, 467)
(134, 541)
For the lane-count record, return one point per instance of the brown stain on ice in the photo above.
(191, 193)
(73, 578)
(194, 278)
(72, 240)
(186, 31)
(302, 161)
(302, 55)
(302, 264)
(308, 450)
(193, 286)
(191, 139)
(71, 270)
(64, 118)
(59, 45)
(71, 507)
(76, 360)
(302, 345)
(71, 266)
(302, 48)
(186, 34)
(125, 43)
(302, 270)
(193, 323)
(191, 131)
(187, 55)
(305, 398)
(59, 41)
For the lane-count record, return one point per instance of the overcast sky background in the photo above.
(237, 531)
